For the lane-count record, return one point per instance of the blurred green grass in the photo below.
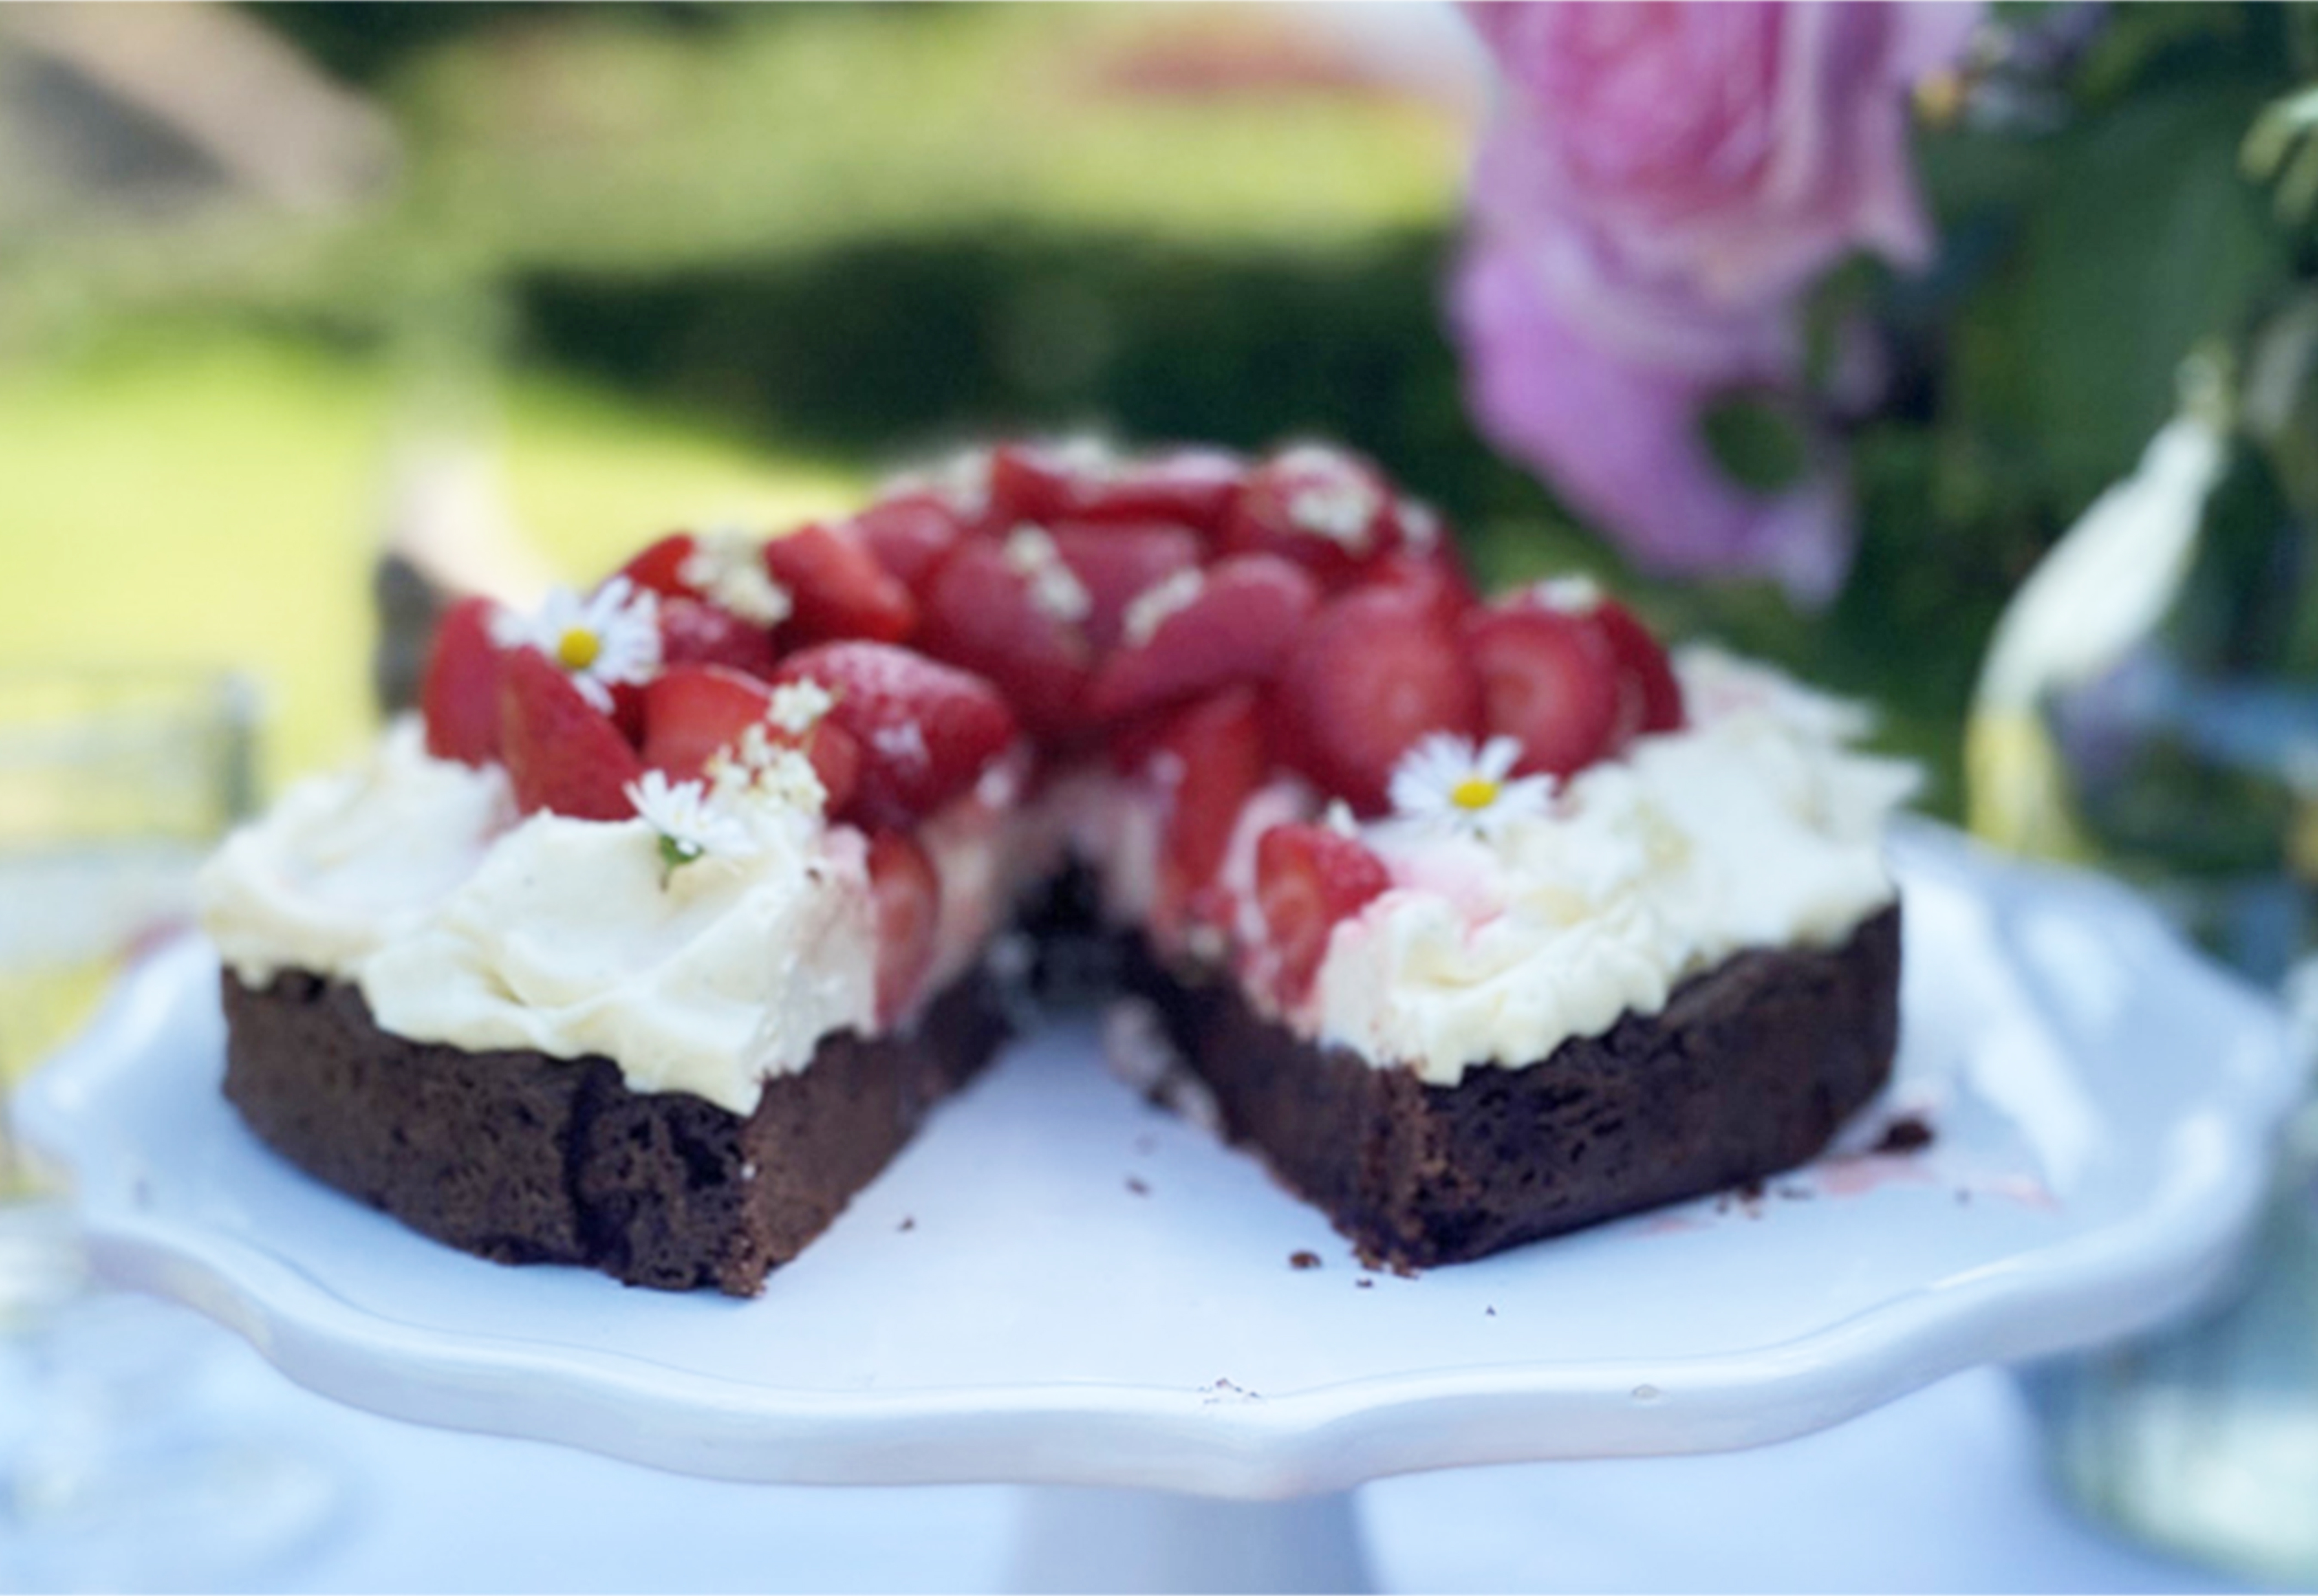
(207, 498)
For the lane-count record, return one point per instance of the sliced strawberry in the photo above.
(1191, 487)
(1327, 510)
(1238, 627)
(1435, 578)
(838, 587)
(910, 534)
(1375, 671)
(1119, 563)
(1650, 697)
(691, 711)
(1309, 879)
(1017, 629)
(1549, 680)
(660, 568)
(906, 896)
(460, 696)
(562, 753)
(694, 712)
(925, 732)
(694, 631)
(1213, 757)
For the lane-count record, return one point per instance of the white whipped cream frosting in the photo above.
(412, 878)
(1758, 826)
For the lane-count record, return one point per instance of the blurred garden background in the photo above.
(519, 288)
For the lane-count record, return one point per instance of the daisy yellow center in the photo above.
(578, 648)
(1475, 791)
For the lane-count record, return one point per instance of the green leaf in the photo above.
(1758, 445)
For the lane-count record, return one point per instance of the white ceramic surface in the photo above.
(1057, 1284)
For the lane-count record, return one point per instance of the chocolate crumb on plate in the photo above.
(1136, 1186)
(1906, 1133)
(1303, 1261)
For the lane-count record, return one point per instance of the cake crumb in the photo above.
(1303, 1260)
(908, 1223)
(1136, 1186)
(1906, 1133)
(1797, 1194)
(1490, 1313)
(1364, 1282)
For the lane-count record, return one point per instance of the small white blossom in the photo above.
(1571, 595)
(691, 820)
(1152, 606)
(1445, 780)
(1338, 818)
(609, 639)
(962, 481)
(1055, 590)
(728, 565)
(1338, 504)
(1420, 525)
(757, 769)
(799, 706)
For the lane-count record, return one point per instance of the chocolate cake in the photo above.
(652, 939)
(1746, 1071)
(525, 1159)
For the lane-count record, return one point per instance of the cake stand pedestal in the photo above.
(1058, 1286)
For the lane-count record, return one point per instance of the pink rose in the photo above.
(1720, 154)
(1621, 440)
(1663, 182)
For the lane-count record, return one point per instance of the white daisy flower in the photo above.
(1445, 780)
(728, 565)
(609, 639)
(692, 824)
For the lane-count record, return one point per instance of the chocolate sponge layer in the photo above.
(523, 1157)
(1746, 1071)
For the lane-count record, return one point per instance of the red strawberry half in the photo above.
(660, 568)
(561, 754)
(906, 897)
(1307, 880)
(838, 589)
(1213, 756)
(926, 732)
(1549, 680)
(694, 631)
(909, 534)
(1376, 670)
(1237, 625)
(1329, 511)
(692, 712)
(1118, 564)
(988, 613)
(1650, 697)
(460, 696)
(1190, 487)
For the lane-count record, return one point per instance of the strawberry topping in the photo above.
(694, 631)
(1650, 698)
(1375, 669)
(925, 730)
(1236, 625)
(906, 897)
(560, 753)
(1119, 563)
(660, 568)
(1307, 880)
(1190, 488)
(837, 587)
(909, 534)
(1549, 680)
(1329, 511)
(460, 696)
(692, 712)
(1212, 757)
(1010, 610)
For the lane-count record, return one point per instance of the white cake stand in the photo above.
(1058, 1286)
